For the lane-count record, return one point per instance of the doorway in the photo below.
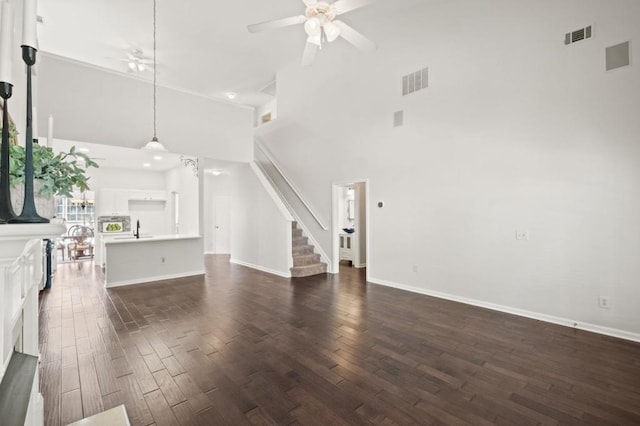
(350, 224)
(221, 221)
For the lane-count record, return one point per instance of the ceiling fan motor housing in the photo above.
(322, 11)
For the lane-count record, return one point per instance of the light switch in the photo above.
(522, 235)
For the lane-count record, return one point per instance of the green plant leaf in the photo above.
(60, 173)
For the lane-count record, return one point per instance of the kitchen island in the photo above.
(130, 260)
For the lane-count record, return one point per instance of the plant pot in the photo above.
(45, 205)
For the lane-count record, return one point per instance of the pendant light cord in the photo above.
(155, 71)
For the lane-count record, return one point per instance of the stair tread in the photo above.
(309, 266)
(305, 255)
(308, 270)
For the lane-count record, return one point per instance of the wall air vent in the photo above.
(415, 81)
(578, 35)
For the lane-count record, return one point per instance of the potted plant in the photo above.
(55, 174)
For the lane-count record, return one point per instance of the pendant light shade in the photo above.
(154, 144)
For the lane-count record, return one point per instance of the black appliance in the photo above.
(49, 247)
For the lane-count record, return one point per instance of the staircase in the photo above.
(305, 261)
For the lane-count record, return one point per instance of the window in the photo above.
(76, 210)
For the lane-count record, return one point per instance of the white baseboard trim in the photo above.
(261, 268)
(613, 332)
(154, 278)
(215, 252)
(362, 265)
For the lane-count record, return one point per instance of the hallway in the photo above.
(243, 347)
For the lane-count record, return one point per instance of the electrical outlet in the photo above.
(604, 302)
(415, 268)
(522, 235)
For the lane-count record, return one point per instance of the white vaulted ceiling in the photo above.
(203, 46)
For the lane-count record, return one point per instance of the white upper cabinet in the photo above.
(113, 202)
(137, 195)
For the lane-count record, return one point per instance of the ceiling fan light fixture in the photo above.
(132, 66)
(313, 26)
(331, 31)
(140, 67)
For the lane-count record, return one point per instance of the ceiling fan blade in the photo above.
(309, 2)
(344, 6)
(354, 37)
(309, 54)
(278, 23)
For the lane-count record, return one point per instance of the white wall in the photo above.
(181, 180)
(516, 131)
(124, 178)
(260, 235)
(98, 106)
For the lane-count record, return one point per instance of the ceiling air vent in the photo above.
(415, 81)
(578, 35)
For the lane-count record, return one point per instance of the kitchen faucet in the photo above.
(137, 233)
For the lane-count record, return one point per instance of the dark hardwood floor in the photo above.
(244, 347)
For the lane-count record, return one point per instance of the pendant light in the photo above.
(153, 144)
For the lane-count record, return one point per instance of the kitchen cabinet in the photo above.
(138, 195)
(113, 202)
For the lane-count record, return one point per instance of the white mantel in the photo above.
(20, 276)
(14, 237)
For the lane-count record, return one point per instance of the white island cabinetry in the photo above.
(129, 260)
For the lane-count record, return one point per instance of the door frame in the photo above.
(336, 187)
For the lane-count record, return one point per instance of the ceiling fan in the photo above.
(137, 62)
(321, 26)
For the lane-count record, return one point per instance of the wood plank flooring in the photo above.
(243, 347)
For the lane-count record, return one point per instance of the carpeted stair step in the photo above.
(306, 259)
(299, 250)
(308, 270)
(300, 241)
(296, 232)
